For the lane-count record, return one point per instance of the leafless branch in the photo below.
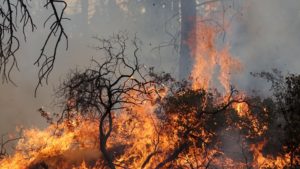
(9, 42)
(57, 32)
(4, 142)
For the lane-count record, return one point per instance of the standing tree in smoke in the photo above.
(188, 24)
(105, 88)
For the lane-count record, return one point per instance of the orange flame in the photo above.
(262, 161)
(208, 58)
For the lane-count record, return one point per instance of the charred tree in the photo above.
(84, 14)
(188, 24)
(117, 80)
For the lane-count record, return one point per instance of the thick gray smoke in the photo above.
(265, 36)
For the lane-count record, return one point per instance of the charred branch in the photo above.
(57, 33)
(9, 42)
(4, 142)
(15, 13)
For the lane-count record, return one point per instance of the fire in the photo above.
(208, 58)
(137, 135)
(242, 109)
(58, 145)
(142, 137)
(267, 161)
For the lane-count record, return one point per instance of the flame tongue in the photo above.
(208, 58)
(55, 146)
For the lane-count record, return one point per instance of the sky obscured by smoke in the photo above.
(265, 36)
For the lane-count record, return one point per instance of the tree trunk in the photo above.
(103, 137)
(84, 14)
(188, 24)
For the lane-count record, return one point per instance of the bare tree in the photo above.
(188, 25)
(105, 88)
